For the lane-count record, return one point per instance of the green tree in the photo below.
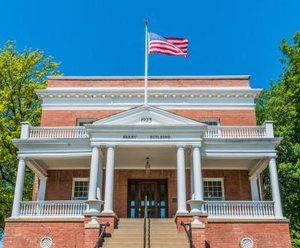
(21, 73)
(282, 105)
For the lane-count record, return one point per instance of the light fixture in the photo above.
(147, 166)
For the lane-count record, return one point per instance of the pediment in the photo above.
(147, 115)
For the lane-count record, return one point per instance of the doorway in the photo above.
(157, 196)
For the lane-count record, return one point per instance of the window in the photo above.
(80, 188)
(213, 189)
(210, 122)
(81, 122)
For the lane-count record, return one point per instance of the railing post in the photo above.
(269, 129)
(25, 130)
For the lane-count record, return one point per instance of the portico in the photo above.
(173, 143)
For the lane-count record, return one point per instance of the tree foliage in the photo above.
(282, 105)
(21, 73)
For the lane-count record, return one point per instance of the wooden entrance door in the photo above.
(156, 192)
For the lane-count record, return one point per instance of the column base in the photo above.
(196, 206)
(108, 212)
(94, 207)
(180, 212)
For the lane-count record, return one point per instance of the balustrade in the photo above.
(57, 132)
(212, 132)
(236, 132)
(52, 208)
(239, 209)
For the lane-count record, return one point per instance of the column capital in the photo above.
(110, 146)
(181, 145)
(43, 178)
(253, 178)
(21, 157)
(196, 146)
(272, 157)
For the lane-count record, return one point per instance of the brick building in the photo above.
(192, 155)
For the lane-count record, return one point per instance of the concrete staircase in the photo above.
(130, 234)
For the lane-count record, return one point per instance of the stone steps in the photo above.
(130, 233)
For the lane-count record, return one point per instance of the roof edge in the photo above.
(212, 77)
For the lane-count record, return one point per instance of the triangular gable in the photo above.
(147, 115)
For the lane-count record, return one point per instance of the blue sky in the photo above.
(94, 37)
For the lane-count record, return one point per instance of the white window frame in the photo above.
(78, 179)
(85, 120)
(219, 179)
(210, 120)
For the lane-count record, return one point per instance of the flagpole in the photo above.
(146, 61)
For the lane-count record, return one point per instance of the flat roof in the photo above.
(149, 77)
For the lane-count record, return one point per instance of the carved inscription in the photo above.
(146, 120)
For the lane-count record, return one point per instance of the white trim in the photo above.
(127, 106)
(211, 179)
(78, 179)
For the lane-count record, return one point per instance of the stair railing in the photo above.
(145, 224)
(102, 229)
(188, 233)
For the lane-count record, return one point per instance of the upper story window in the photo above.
(211, 122)
(81, 122)
(80, 188)
(213, 189)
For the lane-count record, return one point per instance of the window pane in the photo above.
(213, 190)
(81, 190)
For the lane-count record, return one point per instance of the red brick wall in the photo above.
(226, 117)
(264, 235)
(218, 234)
(236, 183)
(59, 185)
(29, 234)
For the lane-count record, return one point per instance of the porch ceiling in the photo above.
(135, 158)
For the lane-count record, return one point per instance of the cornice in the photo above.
(152, 93)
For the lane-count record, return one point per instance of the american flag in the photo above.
(167, 45)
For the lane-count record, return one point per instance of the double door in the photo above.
(152, 193)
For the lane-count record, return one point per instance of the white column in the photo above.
(42, 188)
(19, 188)
(181, 186)
(109, 180)
(100, 178)
(254, 189)
(192, 179)
(275, 187)
(94, 174)
(198, 180)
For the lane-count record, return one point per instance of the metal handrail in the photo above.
(148, 232)
(102, 229)
(188, 233)
(145, 221)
